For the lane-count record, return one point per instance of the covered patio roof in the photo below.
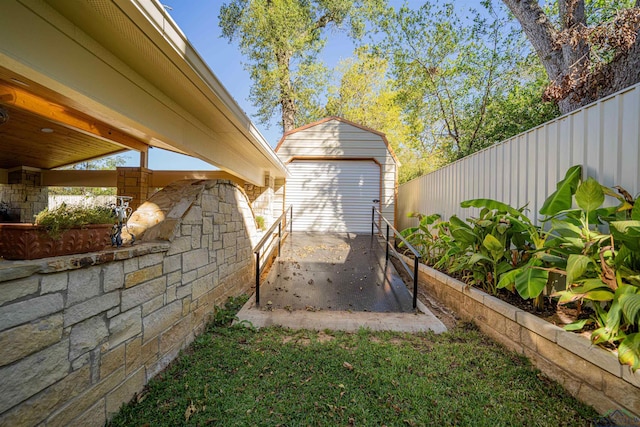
(81, 80)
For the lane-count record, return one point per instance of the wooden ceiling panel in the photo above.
(69, 137)
(22, 143)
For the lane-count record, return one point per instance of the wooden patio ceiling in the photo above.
(42, 130)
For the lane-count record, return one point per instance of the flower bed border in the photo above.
(589, 373)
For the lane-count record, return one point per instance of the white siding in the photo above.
(333, 195)
(339, 140)
(603, 137)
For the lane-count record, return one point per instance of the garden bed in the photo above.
(590, 373)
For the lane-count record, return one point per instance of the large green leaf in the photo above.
(476, 258)
(461, 231)
(560, 199)
(635, 212)
(429, 219)
(531, 281)
(508, 278)
(576, 267)
(577, 325)
(589, 195)
(491, 204)
(629, 351)
(627, 232)
(492, 243)
(630, 304)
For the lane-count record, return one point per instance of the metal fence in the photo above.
(603, 137)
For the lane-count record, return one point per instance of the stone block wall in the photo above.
(262, 200)
(589, 373)
(134, 182)
(81, 334)
(23, 194)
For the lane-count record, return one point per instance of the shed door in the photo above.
(333, 195)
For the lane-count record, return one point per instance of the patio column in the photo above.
(24, 196)
(134, 182)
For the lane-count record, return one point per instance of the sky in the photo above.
(198, 20)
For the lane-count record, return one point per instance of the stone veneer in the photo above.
(81, 334)
(589, 373)
(267, 201)
(24, 195)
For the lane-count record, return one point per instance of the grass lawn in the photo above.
(238, 376)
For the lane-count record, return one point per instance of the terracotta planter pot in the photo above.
(28, 241)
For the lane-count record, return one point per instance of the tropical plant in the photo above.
(603, 267)
(425, 237)
(593, 243)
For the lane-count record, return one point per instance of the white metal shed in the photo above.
(338, 169)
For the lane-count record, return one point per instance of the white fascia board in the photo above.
(156, 14)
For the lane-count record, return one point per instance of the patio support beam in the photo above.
(67, 117)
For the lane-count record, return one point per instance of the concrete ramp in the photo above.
(339, 282)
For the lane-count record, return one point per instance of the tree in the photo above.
(281, 40)
(365, 95)
(589, 51)
(105, 163)
(447, 71)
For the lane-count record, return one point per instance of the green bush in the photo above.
(64, 217)
(596, 249)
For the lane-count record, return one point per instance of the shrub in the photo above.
(56, 221)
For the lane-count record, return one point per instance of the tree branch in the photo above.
(540, 33)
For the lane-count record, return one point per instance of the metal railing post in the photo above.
(258, 277)
(387, 240)
(279, 236)
(373, 217)
(415, 282)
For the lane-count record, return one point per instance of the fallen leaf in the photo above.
(348, 365)
(191, 409)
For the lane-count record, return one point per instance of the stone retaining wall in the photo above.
(590, 373)
(80, 335)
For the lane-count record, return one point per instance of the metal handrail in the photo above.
(416, 254)
(268, 236)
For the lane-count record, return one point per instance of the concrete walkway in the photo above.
(339, 282)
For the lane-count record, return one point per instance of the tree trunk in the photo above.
(540, 32)
(287, 101)
(574, 80)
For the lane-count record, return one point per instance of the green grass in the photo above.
(237, 376)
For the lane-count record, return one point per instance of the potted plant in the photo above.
(64, 230)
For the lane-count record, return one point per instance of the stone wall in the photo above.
(262, 200)
(23, 194)
(587, 372)
(80, 335)
(134, 182)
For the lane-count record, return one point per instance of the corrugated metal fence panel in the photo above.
(603, 137)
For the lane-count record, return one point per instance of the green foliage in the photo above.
(57, 220)
(560, 200)
(425, 237)
(260, 222)
(224, 316)
(461, 77)
(501, 248)
(281, 40)
(107, 163)
(365, 95)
